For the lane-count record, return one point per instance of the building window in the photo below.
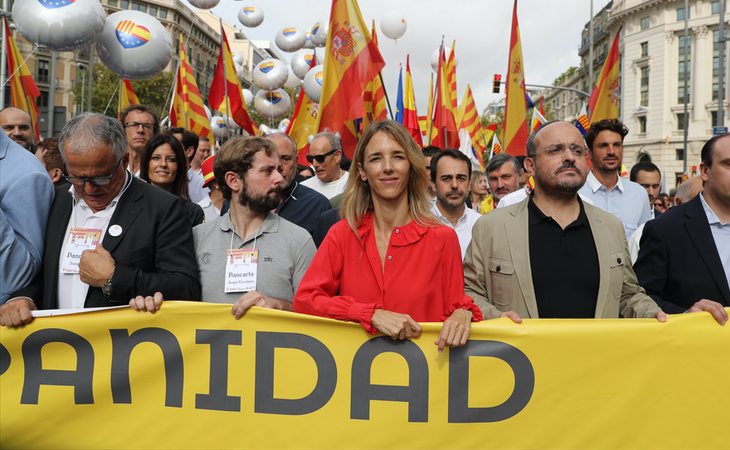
(152, 11)
(713, 117)
(681, 14)
(43, 100)
(716, 7)
(644, 90)
(43, 70)
(684, 52)
(642, 124)
(644, 49)
(715, 63)
(679, 154)
(680, 121)
(644, 23)
(112, 3)
(123, 4)
(163, 13)
(139, 7)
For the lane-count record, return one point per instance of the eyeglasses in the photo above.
(320, 158)
(146, 126)
(96, 181)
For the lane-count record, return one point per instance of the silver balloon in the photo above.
(204, 4)
(250, 16)
(239, 58)
(300, 63)
(290, 39)
(219, 126)
(313, 83)
(435, 58)
(272, 104)
(393, 25)
(59, 24)
(247, 96)
(134, 45)
(283, 125)
(270, 74)
(308, 42)
(292, 80)
(239, 70)
(319, 33)
(321, 52)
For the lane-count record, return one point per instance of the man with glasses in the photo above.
(111, 236)
(299, 204)
(140, 123)
(325, 153)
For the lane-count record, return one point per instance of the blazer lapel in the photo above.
(124, 215)
(517, 228)
(700, 234)
(55, 236)
(604, 253)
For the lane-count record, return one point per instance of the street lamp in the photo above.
(82, 68)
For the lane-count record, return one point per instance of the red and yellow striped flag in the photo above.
(187, 104)
(233, 105)
(23, 90)
(515, 111)
(426, 122)
(470, 122)
(303, 122)
(496, 147)
(444, 124)
(603, 103)
(127, 96)
(352, 61)
(375, 105)
(451, 77)
(410, 113)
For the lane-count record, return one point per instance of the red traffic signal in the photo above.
(496, 83)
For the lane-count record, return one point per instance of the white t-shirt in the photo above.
(330, 189)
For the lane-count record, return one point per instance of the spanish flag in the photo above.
(352, 61)
(303, 123)
(187, 104)
(515, 111)
(376, 108)
(410, 114)
(603, 103)
(23, 90)
(127, 96)
(225, 90)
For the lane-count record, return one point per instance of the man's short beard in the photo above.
(259, 204)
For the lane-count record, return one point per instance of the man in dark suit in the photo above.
(684, 259)
(111, 236)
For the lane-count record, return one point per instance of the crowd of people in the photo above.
(115, 212)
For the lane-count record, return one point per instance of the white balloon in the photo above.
(273, 104)
(134, 45)
(292, 80)
(308, 42)
(204, 4)
(290, 39)
(219, 126)
(435, 58)
(59, 25)
(319, 33)
(265, 130)
(247, 96)
(313, 83)
(207, 112)
(239, 58)
(393, 24)
(239, 70)
(231, 123)
(270, 74)
(300, 63)
(283, 125)
(250, 16)
(321, 52)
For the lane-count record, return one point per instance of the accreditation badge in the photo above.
(78, 240)
(241, 266)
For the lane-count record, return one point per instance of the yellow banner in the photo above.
(190, 376)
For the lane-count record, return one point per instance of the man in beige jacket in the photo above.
(552, 255)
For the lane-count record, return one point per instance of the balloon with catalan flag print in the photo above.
(134, 45)
(59, 25)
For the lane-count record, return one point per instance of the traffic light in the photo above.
(496, 82)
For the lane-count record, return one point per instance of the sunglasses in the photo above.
(320, 158)
(96, 181)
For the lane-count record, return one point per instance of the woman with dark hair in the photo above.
(164, 165)
(389, 263)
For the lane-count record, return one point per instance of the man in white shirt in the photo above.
(450, 172)
(325, 153)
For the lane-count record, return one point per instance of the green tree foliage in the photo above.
(153, 91)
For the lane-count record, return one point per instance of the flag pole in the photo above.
(387, 99)
(225, 77)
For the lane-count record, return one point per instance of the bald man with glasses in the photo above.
(325, 154)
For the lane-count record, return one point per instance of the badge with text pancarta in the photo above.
(241, 270)
(78, 240)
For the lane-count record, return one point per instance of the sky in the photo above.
(550, 32)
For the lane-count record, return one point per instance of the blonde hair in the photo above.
(358, 199)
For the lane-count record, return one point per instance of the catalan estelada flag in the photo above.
(23, 90)
(410, 112)
(374, 99)
(603, 103)
(225, 81)
(127, 96)
(582, 122)
(470, 122)
(303, 123)
(187, 104)
(444, 124)
(351, 63)
(515, 111)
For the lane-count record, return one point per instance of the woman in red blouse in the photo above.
(389, 264)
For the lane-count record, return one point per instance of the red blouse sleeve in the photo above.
(317, 293)
(453, 281)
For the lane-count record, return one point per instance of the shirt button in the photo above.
(618, 260)
(499, 268)
(397, 230)
(389, 257)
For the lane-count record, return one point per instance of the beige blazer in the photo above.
(498, 276)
